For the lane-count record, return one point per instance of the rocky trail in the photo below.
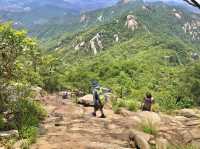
(71, 126)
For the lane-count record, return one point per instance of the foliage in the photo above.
(149, 127)
(170, 103)
(125, 68)
(20, 64)
(51, 72)
(154, 58)
(191, 82)
(189, 146)
(125, 103)
(29, 133)
(27, 113)
(156, 107)
(1, 122)
(132, 105)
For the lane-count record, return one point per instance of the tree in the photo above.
(190, 82)
(17, 60)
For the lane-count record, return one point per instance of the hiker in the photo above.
(99, 99)
(65, 95)
(148, 101)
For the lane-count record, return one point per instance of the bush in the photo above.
(155, 107)
(1, 122)
(169, 104)
(122, 103)
(189, 146)
(129, 104)
(132, 105)
(27, 115)
(29, 133)
(115, 106)
(116, 109)
(149, 127)
(185, 103)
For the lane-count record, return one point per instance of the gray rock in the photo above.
(140, 139)
(189, 113)
(7, 134)
(86, 100)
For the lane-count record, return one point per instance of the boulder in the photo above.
(161, 143)
(124, 112)
(195, 133)
(7, 134)
(131, 22)
(116, 37)
(152, 117)
(86, 100)
(140, 139)
(189, 113)
(84, 18)
(37, 92)
(96, 43)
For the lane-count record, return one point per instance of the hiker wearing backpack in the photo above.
(148, 101)
(99, 98)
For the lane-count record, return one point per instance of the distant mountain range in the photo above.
(46, 18)
(75, 5)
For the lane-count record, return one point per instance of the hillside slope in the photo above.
(147, 49)
(157, 19)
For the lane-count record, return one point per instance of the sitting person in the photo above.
(148, 101)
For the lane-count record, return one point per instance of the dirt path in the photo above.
(71, 126)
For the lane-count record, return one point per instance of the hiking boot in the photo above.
(102, 116)
(94, 114)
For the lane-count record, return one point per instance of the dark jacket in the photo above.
(147, 104)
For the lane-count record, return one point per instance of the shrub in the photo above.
(29, 133)
(185, 103)
(189, 146)
(155, 107)
(116, 109)
(27, 115)
(169, 103)
(149, 127)
(1, 122)
(115, 106)
(122, 103)
(126, 103)
(132, 105)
